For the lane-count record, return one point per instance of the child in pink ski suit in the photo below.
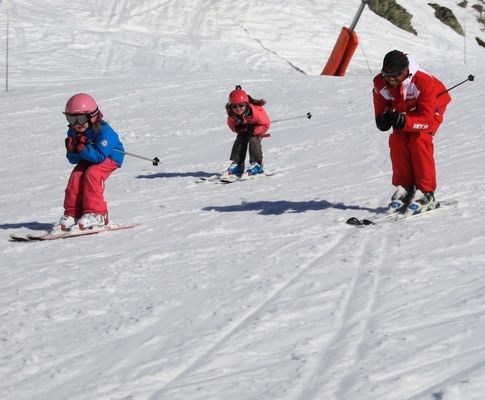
(97, 151)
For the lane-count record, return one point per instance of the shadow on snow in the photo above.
(282, 206)
(196, 174)
(35, 226)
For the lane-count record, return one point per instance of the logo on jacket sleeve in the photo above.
(104, 143)
(420, 126)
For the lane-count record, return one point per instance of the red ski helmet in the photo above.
(83, 103)
(238, 96)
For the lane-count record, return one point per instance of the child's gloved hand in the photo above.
(245, 128)
(82, 141)
(71, 143)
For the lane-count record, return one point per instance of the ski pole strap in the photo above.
(470, 78)
(307, 115)
(155, 161)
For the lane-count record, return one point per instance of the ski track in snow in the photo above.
(253, 314)
(352, 328)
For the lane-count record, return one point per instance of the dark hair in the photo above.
(256, 102)
(97, 125)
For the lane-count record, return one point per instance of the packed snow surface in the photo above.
(252, 290)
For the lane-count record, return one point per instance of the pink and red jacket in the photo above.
(256, 117)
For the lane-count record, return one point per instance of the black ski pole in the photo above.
(470, 78)
(154, 161)
(307, 115)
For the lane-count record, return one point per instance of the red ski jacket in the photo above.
(257, 118)
(420, 97)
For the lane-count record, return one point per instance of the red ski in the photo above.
(69, 234)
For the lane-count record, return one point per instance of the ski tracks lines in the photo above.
(462, 376)
(252, 314)
(335, 369)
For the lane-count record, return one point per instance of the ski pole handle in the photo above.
(470, 78)
(307, 115)
(155, 161)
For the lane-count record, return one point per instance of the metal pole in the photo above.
(464, 43)
(307, 115)
(470, 78)
(357, 16)
(6, 53)
(155, 161)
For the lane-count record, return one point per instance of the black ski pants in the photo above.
(240, 148)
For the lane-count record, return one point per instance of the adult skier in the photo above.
(249, 120)
(96, 150)
(412, 102)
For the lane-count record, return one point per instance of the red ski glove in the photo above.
(71, 143)
(82, 141)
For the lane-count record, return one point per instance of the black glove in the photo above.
(395, 119)
(245, 128)
(398, 120)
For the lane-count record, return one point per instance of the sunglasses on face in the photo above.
(392, 74)
(236, 106)
(77, 119)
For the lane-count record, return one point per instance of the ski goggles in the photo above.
(77, 119)
(81, 119)
(239, 105)
(392, 74)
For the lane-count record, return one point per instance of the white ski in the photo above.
(398, 217)
(75, 232)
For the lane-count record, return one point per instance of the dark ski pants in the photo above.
(240, 147)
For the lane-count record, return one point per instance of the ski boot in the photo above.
(235, 168)
(66, 222)
(400, 199)
(421, 202)
(233, 173)
(255, 169)
(92, 220)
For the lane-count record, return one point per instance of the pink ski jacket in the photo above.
(257, 118)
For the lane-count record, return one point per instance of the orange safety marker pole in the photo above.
(344, 48)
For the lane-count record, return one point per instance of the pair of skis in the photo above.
(75, 232)
(398, 216)
(226, 178)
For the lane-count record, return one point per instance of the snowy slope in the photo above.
(254, 290)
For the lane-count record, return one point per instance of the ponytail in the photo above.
(257, 102)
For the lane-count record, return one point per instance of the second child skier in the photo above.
(249, 120)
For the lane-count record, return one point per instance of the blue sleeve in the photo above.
(73, 158)
(103, 144)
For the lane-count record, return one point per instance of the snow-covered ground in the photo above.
(254, 290)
